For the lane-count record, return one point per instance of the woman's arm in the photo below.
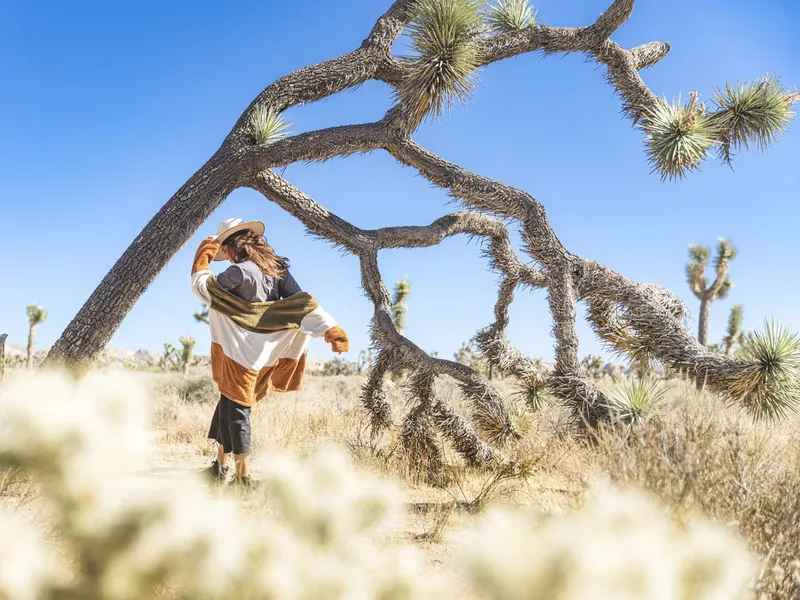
(200, 268)
(287, 286)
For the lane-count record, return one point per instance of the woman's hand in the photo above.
(337, 338)
(205, 254)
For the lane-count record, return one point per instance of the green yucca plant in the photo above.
(443, 35)
(267, 126)
(36, 316)
(534, 393)
(770, 387)
(734, 330)
(677, 137)
(402, 290)
(635, 401)
(510, 15)
(748, 113)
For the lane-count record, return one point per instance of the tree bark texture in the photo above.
(702, 321)
(3, 337)
(31, 345)
(644, 321)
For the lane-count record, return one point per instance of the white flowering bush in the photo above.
(619, 545)
(319, 532)
(127, 540)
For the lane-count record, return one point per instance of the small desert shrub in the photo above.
(634, 401)
(701, 461)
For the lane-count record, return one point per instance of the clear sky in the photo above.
(108, 107)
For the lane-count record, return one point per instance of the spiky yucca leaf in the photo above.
(748, 113)
(443, 35)
(267, 126)
(510, 15)
(677, 137)
(635, 401)
(533, 391)
(770, 387)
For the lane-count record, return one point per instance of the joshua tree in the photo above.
(451, 40)
(339, 366)
(201, 316)
(402, 289)
(734, 333)
(167, 358)
(3, 337)
(469, 356)
(613, 370)
(36, 316)
(185, 353)
(364, 360)
(594, 365)
(696, 276)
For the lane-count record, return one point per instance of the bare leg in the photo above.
(241, 465)
(222, 458)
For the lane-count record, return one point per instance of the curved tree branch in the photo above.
(395, 351)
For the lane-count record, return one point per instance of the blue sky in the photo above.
(108, 107)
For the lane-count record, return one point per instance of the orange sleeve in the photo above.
(337, 338)
(205, 254)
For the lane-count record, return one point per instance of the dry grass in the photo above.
(704, 459)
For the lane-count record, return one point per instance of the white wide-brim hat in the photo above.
(227, 228)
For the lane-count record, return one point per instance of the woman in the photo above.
(260, 323)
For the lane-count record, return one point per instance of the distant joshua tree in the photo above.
(3, 337)
(185, 353)
(469, 355)
(36, 316)
(699, 284)
(167, 358)
(734, 333)
(365, 358)
(201, 316)
(594, 365)
(402, 289)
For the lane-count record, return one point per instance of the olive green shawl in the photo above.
(261, 317)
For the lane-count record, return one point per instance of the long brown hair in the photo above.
(248, 245)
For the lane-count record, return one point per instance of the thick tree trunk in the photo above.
(162, 237)
(3, 337)
(702, 323)
(31, 344)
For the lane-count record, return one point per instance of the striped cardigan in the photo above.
(259, 346)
